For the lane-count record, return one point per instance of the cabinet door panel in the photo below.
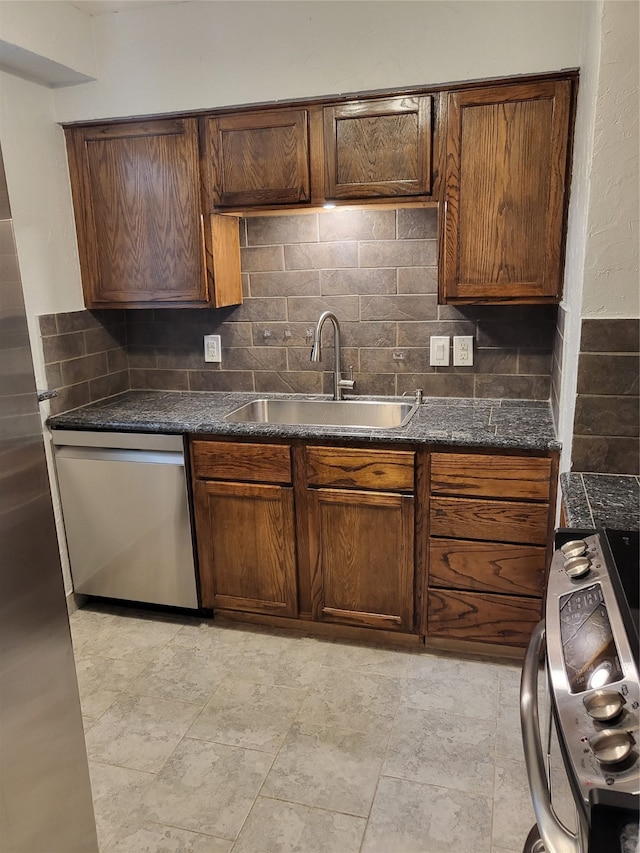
(259, 158)
(505, 189)
(378, 148)
(136, 189)
(246, 547)
(361, 547)
(488, 566)
(501, 521)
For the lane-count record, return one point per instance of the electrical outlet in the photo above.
(462, 350)
(439, 350)
(212, 348)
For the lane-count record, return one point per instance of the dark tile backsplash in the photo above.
(376, 269)
(607, 419)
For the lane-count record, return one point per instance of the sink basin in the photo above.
(364, 414)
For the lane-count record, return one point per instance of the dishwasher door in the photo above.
(126, 516)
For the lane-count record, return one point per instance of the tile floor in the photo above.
(210, 738)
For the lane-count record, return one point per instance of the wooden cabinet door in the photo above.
(136, 193)
(246, 547)
(378, 148)
(258, 158)
(361, 547)
(505, 193)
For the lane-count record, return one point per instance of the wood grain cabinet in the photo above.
(505, 192)
(244, 516)
(143, 239)
(490, 526)
(378, 148)
(361, 536)
(257, 158)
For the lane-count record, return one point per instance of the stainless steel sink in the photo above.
(365, 414)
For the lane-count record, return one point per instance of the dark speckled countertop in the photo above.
(601, 500)
(520, 424)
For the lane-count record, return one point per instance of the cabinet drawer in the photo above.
(492, 521)
(487, 566)
(491, 476)
(363, 469)
(225, 460)
(482, 617)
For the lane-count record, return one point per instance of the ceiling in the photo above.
(104, 7)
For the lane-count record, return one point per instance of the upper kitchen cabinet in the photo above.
(378, 148)
(258, 158)
(142, 237)
(505, 192)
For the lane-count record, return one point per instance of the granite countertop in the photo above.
(525, 424)
(601, 500)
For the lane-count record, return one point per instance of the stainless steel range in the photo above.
(589, 638)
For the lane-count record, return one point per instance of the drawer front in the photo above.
(487, 566)
(482, 617)
(489, 521)
(491, 476)
(226, 460)
(349, 467)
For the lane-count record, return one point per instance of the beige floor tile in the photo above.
(139, 732)
(441, 749)
(88, 723)
(352, 700)
(148, 837)
(85, 624)
(408, 817)
(512, 810)
(116, 791)
(368, 660)
(210, 636)
(462, 687)
(243, 713)
(130, 637)
(328, 768)
(178, 672)
(274, 826)
(101, 680)
(274, 659)
(504, 850)
(206, 787)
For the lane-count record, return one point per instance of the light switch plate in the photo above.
(462, 350)
(212, 348)
(439, 350)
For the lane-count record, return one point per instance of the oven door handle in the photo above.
(556, 838)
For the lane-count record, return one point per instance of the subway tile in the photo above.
(310, 308)
(63, 347)
(605, 454)
(77, 321)
(398, 253)
(117, 360)
(102, 338)
(70, 397)
(535, 362)
(615, 335)
(48, 325)
(260, 309)
(302, 283)
(515, 387)
(373, 384)
(418, 280)
(141, 335)
(142, 357)
(245, 283)
(220, 380)
(417, 223)
(417, 333)
(608, 374)
(397, 307)
(84, 368)
(279, 230)
(159, 380)
(378, 333)
(107, 386)
(262, 258)
(415, 360)
(255, 358)
(282, 334)
(298, 358)
(53, 373)
(500, 361)
(181, 358)
(436, 384)
(355, 281)
(317, 256)
(516, 329)
(289, 382)
(357, 225)
(600, 415)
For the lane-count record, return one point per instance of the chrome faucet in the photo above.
(316, 354)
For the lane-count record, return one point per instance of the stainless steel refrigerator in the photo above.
(45, 794)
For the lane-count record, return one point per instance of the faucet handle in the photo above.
(349, 383)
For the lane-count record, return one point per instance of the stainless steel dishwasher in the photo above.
(126, 515)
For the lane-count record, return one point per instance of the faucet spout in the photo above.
(316, 353)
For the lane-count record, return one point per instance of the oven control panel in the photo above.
(592, 671)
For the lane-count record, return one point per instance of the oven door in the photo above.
(560, 826)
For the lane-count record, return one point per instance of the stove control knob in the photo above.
(575, 548)
(603, 705)
(577, 567)
(611, 746)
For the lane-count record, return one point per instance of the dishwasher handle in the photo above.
(556, 838)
